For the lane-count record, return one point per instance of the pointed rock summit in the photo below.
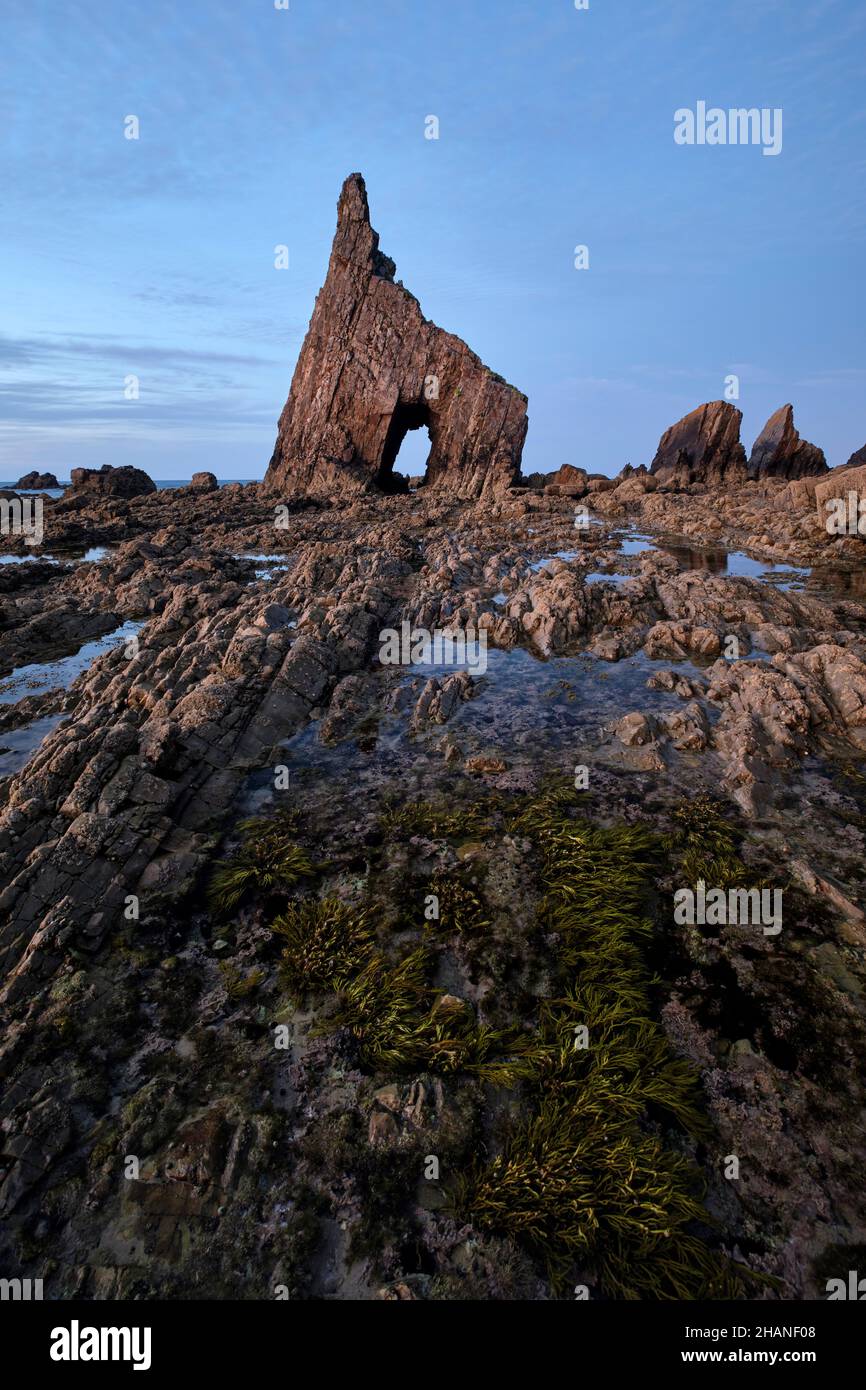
(371, 369)
(703, 447)
(779, 452)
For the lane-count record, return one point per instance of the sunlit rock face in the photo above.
(371, 369)
(703, 447)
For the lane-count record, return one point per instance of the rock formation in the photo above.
(125, 481)
(779, 452)
(566, 481)
(371, 369)
(37, 480)
(703, 447)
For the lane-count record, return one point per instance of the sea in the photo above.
(161, 483)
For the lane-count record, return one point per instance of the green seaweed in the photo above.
(461, 910)
(325, 943)
(706, 844)
(433, 821)
(583, 1180)
(267, 860)
(238, 986)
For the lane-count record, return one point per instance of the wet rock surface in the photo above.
(144, 1019)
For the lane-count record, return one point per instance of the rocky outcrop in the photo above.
(107, 481)
(37, 480)
(207, 482)
(566, 481)
(371, 369)
(779, 452)
(703, 447)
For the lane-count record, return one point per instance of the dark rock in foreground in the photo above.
(703, 447)
(37, 480)
(779, 452)
(125, 481)
(371, 369)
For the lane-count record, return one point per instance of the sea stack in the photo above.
(371, 369)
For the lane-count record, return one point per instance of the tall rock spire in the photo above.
(371, 369)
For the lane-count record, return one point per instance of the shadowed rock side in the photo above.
(703, 447)
(107, 481)
(779, 452)
(371, 369)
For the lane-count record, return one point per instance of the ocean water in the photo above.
(161, 483)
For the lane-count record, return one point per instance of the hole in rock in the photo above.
(409, 437)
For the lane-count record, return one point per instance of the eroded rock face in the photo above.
(125, 481)
(779, 452)
(371, 369)
(703, 447)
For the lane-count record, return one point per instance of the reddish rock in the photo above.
(371, 369)
(206, 482)
(703, 447)
(567, 481)
(125, 481)
(779, 452)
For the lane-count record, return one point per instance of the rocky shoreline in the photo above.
(135, 1036)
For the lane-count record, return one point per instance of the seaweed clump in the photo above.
(587, 1180)
(460, 909)
(325, 942)
(707, 844)
(396, 1019)
(435, 822)
(268, 860)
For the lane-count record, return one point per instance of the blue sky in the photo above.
(155, 257)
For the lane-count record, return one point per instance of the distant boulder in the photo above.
(779, 452)
(703, 447)
(107, 481)
(37, 480)
(566, 481)
(205, 482)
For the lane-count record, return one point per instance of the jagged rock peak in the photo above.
(703, 447)
(779, 452)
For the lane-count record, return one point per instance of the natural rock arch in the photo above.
(371, 368)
